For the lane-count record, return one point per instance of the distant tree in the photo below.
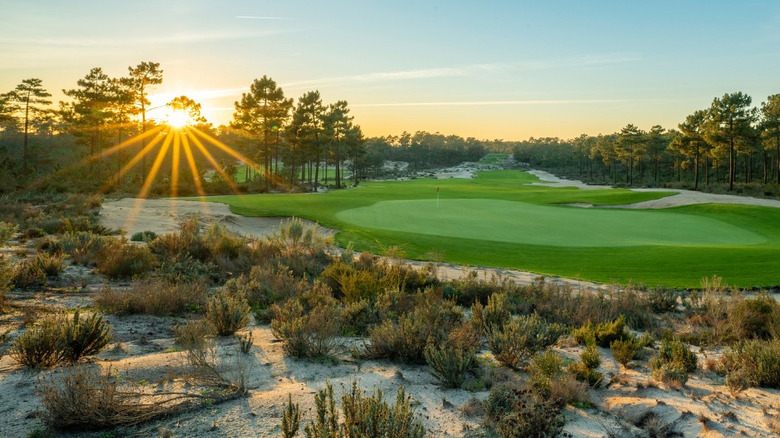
(124, 109)
(338, 124)
(657, 143)
(307, 128)
(191, 108)
(30, 98)
(141, 78)
(729, 123)
(355, 144)
(770, 124)
(91, 110)
(631, 145)
(261, 113)
(690, 141)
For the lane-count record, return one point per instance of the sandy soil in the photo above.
(683, 197)
(133, 215)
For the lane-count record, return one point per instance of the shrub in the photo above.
(83, 246)
(662, 300)
(470, 289)
(227, 313)
(124, 260)
(61, 339)
(39, 346)
(586, 369)
(7, 231)
(29, 274)
(757, 317)
(449, 363)
(494, 314)
(311, 334)
(625, 350)
(154, 297)
(523, 412)
(544, 368)
(603, 333)
(753, 363)
(84, 336)
(674, 362)
(406, 340)
(359, 317)
(50, 246)
(143, 236)
(364, 416)
(33, 233)
(291, 420)
(266, 285)
(519, 339)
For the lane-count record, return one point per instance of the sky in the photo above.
(487, 69)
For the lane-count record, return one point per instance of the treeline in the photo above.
(730, 145)
(104, 137)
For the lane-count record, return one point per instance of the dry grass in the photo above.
(154, 297)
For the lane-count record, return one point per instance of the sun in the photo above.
(178, 119)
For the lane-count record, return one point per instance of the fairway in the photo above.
(500, 219)
(520, 222)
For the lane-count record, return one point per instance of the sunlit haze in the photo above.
(497, 69)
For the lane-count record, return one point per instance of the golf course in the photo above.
(501, 219)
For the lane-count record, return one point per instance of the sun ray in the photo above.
(131, 164)
(214, 163)
(156, 165)
(193, 167)
(175, 164)
(114, 149)
(235, 154)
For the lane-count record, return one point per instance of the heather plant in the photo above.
(307, 334)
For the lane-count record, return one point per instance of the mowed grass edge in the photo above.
(668, 265)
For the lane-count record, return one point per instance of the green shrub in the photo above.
(523, 412)
(154, 297)
(51, 246)
(603, 333)
(364, 416)
(143, 236)
(32, 272)
(449, 363)
(753, 364)
(84, 336)
(307, 334)
(674, 362)
(494, 314)
(470, 289)
(625, 350)
(291, 420)
(124, 260)
(227, 313)
(359, 317)
(586, 369)
(520, 338)
(61, 339)
(33, 233)
(545, 368)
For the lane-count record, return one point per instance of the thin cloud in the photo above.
(503, 102)
(396, 75)
(255, 17)
(580, 61)
(178, 38)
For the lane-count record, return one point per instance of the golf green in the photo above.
(520, 222)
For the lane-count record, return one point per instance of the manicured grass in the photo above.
(493, 158)
(498, 219)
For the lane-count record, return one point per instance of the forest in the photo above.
(729, 146)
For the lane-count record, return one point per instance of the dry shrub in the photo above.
(35, 271)
(520, 338)
(227, 313)
(449, 363)
(266, 285)
(307, 333)
(674, 362)
(755, 318)
(154, 297)
(83, 246)
(7, 231)
(523, 412)
(120, 259)
(431, 320)
(753, 363)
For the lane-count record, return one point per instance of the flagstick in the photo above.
(437, 199)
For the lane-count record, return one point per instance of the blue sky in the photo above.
(488, 69)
